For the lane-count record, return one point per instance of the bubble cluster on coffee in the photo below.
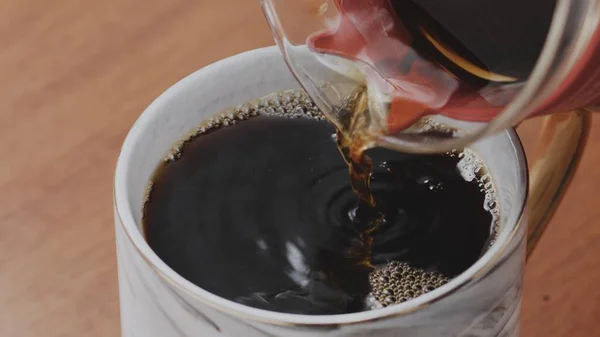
(288, 103)
(472, 168)
(395, 281)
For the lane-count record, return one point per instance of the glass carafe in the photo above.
(473, 67)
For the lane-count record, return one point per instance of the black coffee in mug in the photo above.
(258, 207)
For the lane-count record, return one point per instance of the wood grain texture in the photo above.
(74, 75)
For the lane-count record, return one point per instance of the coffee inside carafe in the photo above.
(463, 59)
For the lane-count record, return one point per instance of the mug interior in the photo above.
(206, 94)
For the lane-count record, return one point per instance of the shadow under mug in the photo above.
(483, 301)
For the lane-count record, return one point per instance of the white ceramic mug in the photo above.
(157, 302)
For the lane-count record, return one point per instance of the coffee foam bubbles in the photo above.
(397, 282)
(472, 167)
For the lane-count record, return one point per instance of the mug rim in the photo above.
(124, 212)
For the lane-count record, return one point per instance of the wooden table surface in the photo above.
(74, 75)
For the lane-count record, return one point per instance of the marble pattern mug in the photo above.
(157, 302)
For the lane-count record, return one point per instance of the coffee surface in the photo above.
(260, 210)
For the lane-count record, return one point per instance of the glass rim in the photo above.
(125, 213)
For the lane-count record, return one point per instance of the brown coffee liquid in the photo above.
(502, 37)
(258, 208)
